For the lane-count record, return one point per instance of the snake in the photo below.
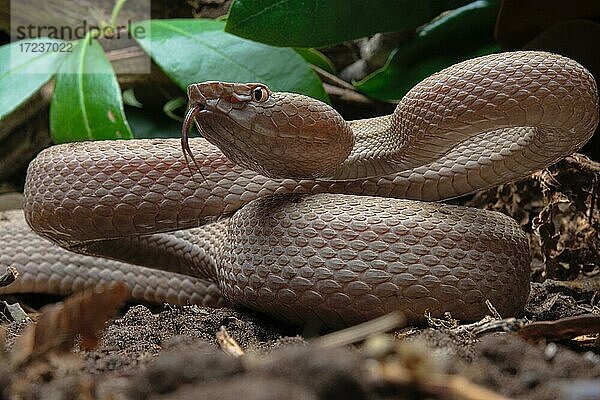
(284, 207)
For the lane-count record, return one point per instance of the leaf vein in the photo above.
(80, 89)
(243, 20)
(214, 49)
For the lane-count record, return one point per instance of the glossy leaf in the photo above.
(315, 23)
(23, 72)
(87, 102)
(461, 34)
(152, 124)
(196, 50)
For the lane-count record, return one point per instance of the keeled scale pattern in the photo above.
(518, 89)
(553, 94)
(337, 260)
(47, 268)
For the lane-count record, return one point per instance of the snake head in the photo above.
(273, 133)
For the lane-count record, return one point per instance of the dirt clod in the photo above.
(191, 363)
(172, 352)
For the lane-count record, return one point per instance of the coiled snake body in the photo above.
(309, 236)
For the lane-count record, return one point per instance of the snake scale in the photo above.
(301, 215)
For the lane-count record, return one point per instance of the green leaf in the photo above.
(315, 23)
(23, 72)
(196, 50)
(315, 57)
(87, 102)
(151, 124)
(461, 34)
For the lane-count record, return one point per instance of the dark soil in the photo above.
(173, 352)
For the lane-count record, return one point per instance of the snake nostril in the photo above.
(196, 95)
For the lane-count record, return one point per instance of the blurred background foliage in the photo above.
(360, 55)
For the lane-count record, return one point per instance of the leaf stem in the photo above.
(115, 12)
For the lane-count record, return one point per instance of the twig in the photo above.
(580, 161)
(438, 323)
(494, 325)
(565, 328)
(492, 309)
(228, 344)
(331, 79)
(441, 385)
(362, 331)
(463, 388)
(344, 92)
(9, 276)
(489, 323)
(348, 96)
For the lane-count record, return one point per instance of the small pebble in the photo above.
(550, 351)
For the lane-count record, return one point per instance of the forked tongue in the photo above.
(190, 115)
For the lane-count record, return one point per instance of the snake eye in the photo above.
(260, 93)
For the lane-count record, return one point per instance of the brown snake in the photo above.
(297, 242)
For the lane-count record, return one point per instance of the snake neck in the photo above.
(475, 102)
(377, 144)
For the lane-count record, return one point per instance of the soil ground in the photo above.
(153, 352)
